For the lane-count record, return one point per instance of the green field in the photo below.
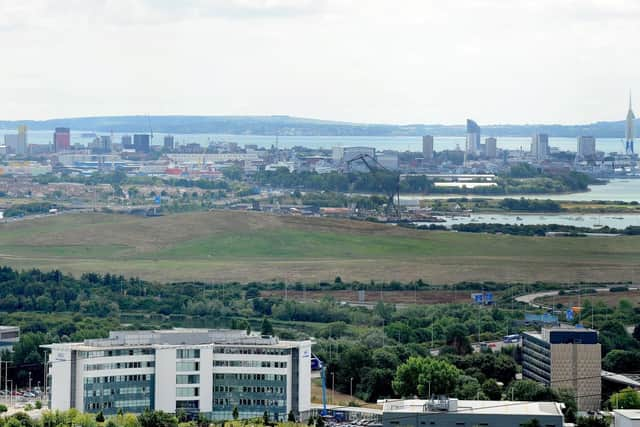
(241, 246)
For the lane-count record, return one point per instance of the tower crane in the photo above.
(379, 172)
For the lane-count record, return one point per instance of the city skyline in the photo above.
(562, 63)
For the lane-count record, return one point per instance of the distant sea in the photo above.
(399, 143)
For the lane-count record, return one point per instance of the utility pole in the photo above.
(351, 387)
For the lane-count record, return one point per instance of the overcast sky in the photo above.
(386, 61)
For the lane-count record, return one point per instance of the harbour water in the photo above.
(578, 220)
(623, 190)
(626, 190)
(399, 143)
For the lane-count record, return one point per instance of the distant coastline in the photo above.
(296, 126)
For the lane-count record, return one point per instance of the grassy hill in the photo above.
(239, 246)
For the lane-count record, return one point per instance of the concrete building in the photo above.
(473, 137)
(212, 158)
(626, 418)
(389, 159)
(565, 358)
(21, 146)
(61, 140)
(127, 142)
(105, 143)
(169, 143)
(198, 370)
(586, 146)
(9, 336)
(427, 148)
(629, 129)
(455, 413)
(11, 142)
(337, 153)
(491, 147)
(540, 146)
(141, 143)
(350, 153)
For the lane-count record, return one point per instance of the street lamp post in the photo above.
(333, 388)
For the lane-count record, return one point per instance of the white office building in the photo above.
(195, 370)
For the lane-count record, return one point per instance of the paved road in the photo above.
(530, 298)
(43, 215)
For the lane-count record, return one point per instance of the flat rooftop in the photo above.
(546, 333)
(632, 414)
(178, 337)
(486, 407)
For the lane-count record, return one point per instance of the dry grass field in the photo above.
(248, 246)
(610, 298)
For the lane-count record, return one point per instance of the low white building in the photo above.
(445, 412)
(626, 418)
(196, 370)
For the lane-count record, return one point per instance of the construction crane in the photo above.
(393, 194)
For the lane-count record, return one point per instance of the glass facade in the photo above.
(117, 352)
(251, 393)
(252, 350)
(187, 354)
(249, 364)
(187, 366)
(131, 393)
(188, 392)
(187, 379)
(536, 359)
(118, 365)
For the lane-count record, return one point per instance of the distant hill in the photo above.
(286, 125)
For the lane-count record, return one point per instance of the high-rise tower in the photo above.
(629, 131)
(473, 137)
